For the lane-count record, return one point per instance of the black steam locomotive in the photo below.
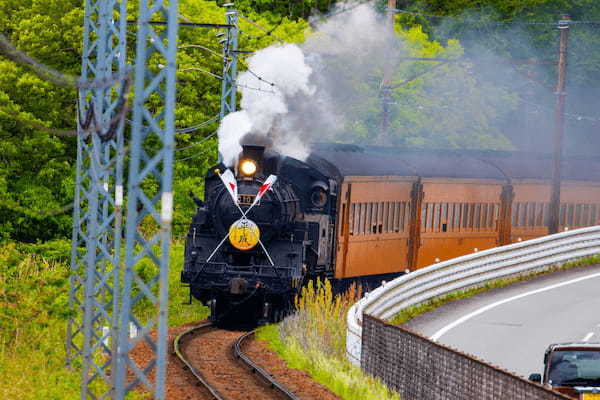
(240, 277)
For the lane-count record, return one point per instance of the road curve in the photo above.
(511, 327)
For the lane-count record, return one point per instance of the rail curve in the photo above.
(255, 368)
(465, 272)
(177, 346)
(237, 349)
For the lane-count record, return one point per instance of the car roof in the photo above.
(574, 346)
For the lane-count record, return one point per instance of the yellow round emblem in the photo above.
(244, 234)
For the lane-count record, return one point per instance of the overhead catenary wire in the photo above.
(189, 146)
(268, 32)
(51, 75)
(199, 154)
(199, 46)
(483, 21)
(199, 126)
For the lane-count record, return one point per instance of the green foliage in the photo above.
(37, 168)
(34, 286)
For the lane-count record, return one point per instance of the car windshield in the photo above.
(574, 368)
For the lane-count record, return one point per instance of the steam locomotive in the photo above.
(256, 278)
(351, 213)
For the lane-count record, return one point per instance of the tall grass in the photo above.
(314, 340)
(34, 287)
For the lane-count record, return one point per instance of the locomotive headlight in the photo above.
(248, 167)
(244, 234)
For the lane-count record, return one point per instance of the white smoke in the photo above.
(283, 73)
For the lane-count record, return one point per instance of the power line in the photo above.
(196, 143)
(260, 78)
(265, 30)
(192, 156)
(201, 70)
(482, 21)
(197, 127)
(51, 75)
(199, 46)
(253, 88)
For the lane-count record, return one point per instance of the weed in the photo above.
(33, 317)
(314, 340)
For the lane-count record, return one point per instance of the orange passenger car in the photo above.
(400, 210)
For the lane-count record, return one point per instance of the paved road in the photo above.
(511, 327)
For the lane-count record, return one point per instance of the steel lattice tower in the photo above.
(150, 198)
(230, 55)
(98, 194)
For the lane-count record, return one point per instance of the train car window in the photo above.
(572, 216)
(484, 216)
(350, 217)
(386, 217)
(428, 217)
(562, 214)
(457, 213)
(450, 218)
(539, 214)
(436, 217)
(477, 217)
(380, 217)
(444, 217)
(390, 220)
(396, 216)
(493, 216)
(585, 215)
(398, 225)
(367, 218)
(360, 219)
(577, 219)
(355, 218)
(373, 225)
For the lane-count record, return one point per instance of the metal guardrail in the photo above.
(465, 272)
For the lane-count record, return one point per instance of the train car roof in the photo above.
(353, 160)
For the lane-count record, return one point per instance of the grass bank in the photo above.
(411, 312)
(34, 287)
(314, 340)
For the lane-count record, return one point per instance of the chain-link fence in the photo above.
(420, 369)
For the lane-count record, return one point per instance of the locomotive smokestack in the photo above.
(253, 152)
(251, 161)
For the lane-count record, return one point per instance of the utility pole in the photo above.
(554, 211)
(385, 91)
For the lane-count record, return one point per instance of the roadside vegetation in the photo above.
(314, 340)
(411, 312)
(34, 287)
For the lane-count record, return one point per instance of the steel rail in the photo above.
(239, 354)
(177, 346)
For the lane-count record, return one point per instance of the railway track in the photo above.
(216, 359)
